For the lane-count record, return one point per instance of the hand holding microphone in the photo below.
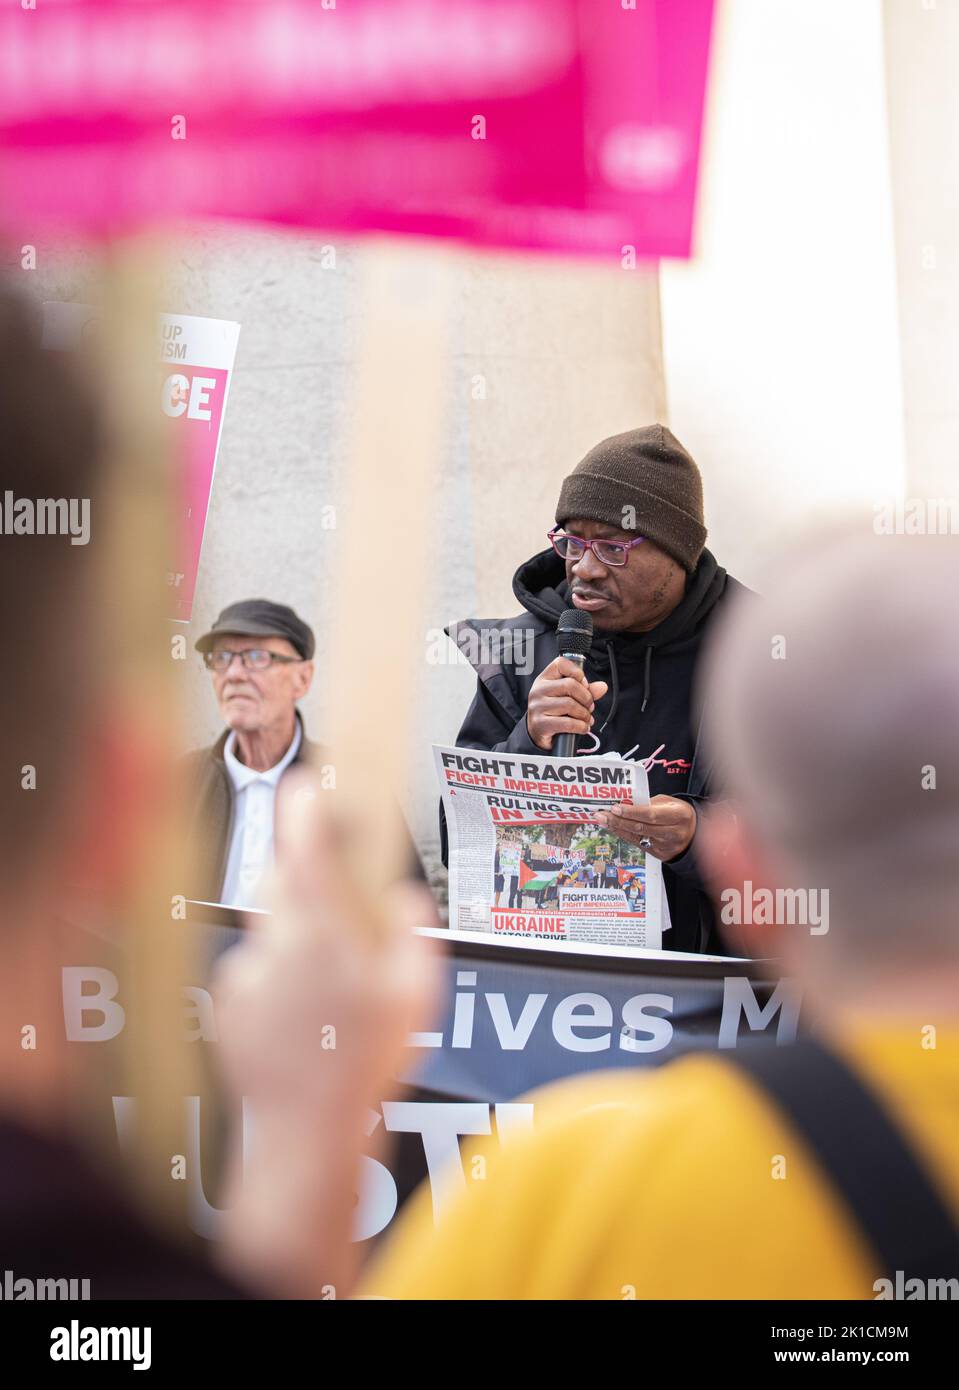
(561, 701)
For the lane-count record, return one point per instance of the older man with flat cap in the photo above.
(260, 655)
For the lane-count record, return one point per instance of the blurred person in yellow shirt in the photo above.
(834, 711)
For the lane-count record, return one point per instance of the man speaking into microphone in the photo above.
(628, 549)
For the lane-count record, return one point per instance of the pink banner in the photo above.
(197, 356)
(195, 397)
(555, 124)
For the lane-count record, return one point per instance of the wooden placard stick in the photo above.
(137, 539)
(384, 550)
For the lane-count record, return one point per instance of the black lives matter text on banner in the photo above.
(528, 858)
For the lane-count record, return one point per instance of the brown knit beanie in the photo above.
(647, 469)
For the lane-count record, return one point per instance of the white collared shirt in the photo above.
(251, 844)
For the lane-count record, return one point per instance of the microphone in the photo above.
(574, 633)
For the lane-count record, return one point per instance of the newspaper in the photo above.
(527, 857)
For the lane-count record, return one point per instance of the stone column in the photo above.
(922, 61)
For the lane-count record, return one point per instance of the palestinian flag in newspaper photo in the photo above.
(533, 883)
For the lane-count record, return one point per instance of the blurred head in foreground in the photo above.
(53, 445)
(832, 721)
(83, 805)
(56, 821)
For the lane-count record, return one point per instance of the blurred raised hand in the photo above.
(313, 1008)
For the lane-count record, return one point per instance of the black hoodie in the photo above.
(649, 701)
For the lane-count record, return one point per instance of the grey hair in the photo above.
(831, 712)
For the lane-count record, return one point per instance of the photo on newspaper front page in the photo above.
(528, 858)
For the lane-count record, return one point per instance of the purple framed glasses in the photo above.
(575, 547)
